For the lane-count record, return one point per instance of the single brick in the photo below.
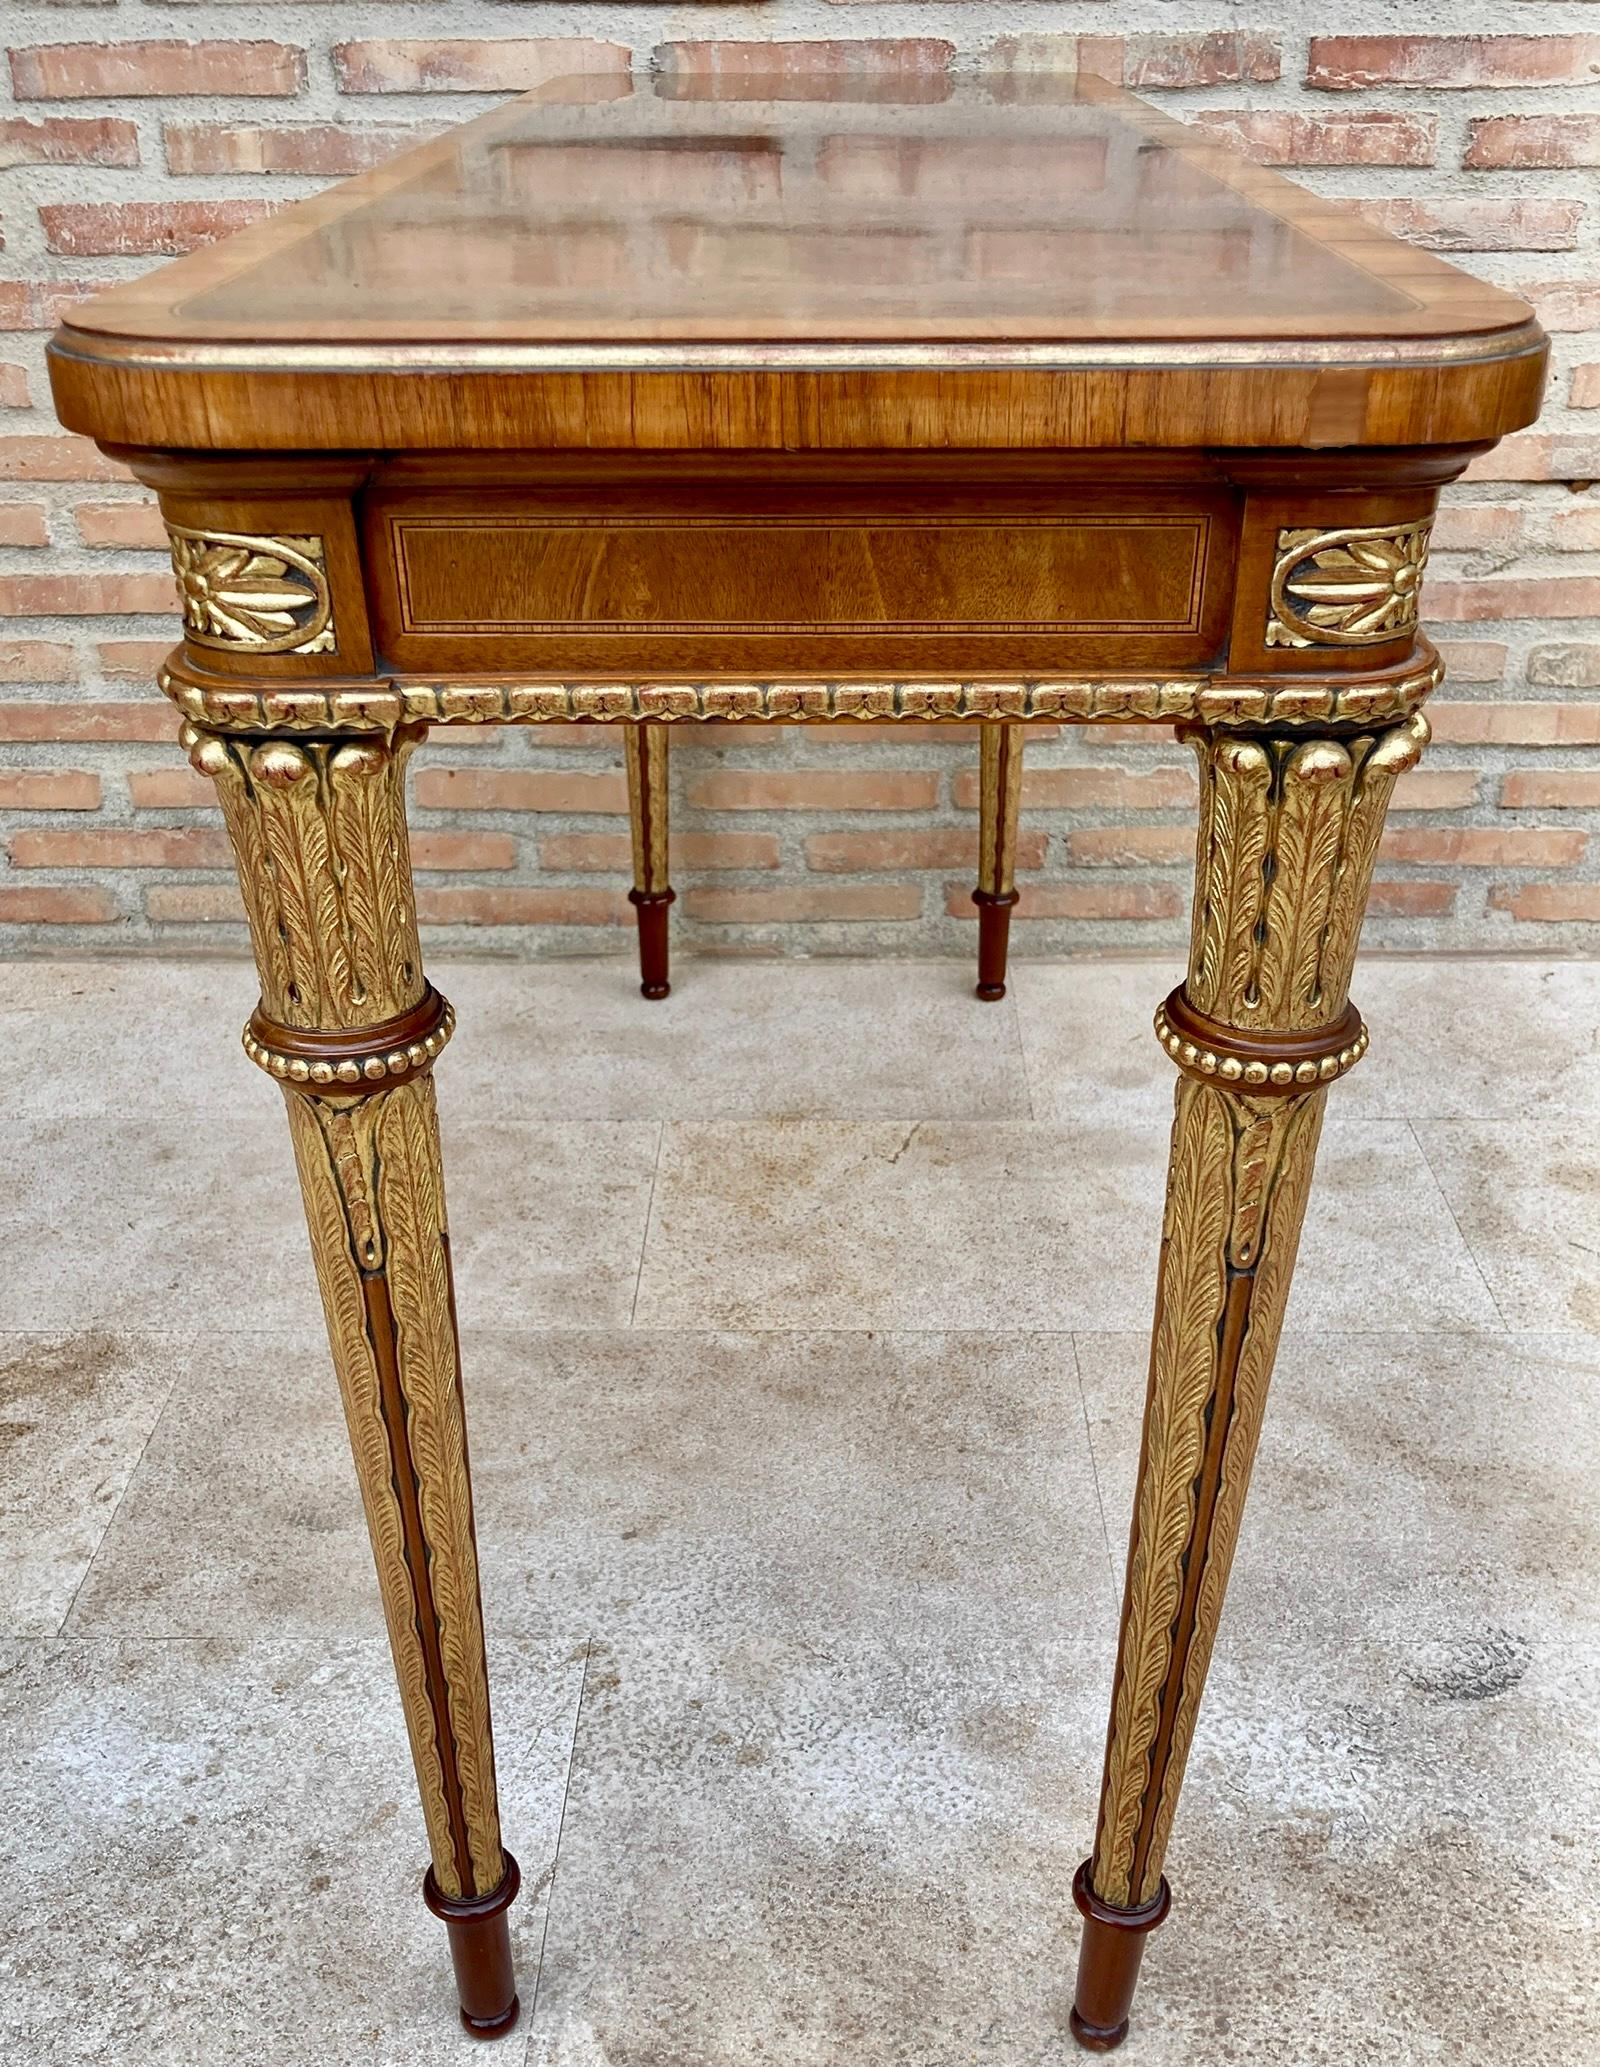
(49, 789)
(1473, 660)
(36, 905)
(35, 660)
(1073, 789)
(178, 788)
(40, 304)
(95, 71)
(1585, 389)
(1280, 136)
(1121, 845)
(1551, 789)
(154, 720)
(888, 69)
(520, 789)
(67, 140)
(1533, 456)
(1550, 902)
(469, 905)
(941, 847)
(1575, 531)
(469, 64)
(23, 523)
(803, 903)
(691, 850)
(819, 789)
(1103, 900)
(14, 386)
(104, 846)
(1345, 63)
(139, 659)
(135, 524)
(1436, 789)
(1516, 724)
(1564, 304)
(1555, 595)
(189, 904)
(1476, 527)
(1564, 667)
(136, 229)
(56, 459)
(323, 150)
(1217, 57)
(1454, 222)
(1411, 900)
(1485, 846)
(86, 595)
(448, 850)
(1496, 141)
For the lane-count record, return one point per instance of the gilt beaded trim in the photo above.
(380, 1066)
(1218, 1064)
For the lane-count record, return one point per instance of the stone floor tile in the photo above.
(962, 1225)
(1087, 1038)
(652, 1481)
(244, 1513)
(1527, 1198)
(1477, 1039)
(1374, 1861)
(1433, 1492)
(168, 1221)
(547, 1218)
(76, 1412)
(818, 1851)
(126, 1037)
(735, 1040)
(171, 1221)
(220, 1854)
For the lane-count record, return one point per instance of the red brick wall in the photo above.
(130, 130)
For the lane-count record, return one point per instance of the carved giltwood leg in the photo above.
(1288, 833)
(350, 1028)
(999, 798)
(646, 748)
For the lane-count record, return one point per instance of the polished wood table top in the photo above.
(697, 265)
(661, 408)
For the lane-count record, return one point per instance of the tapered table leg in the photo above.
(1260, 1027)
(350, 1028)
(646, 748)
(999, 798)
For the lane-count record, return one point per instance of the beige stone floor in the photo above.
(803, 1326)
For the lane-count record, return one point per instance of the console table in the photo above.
(776, 402)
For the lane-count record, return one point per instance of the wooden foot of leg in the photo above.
(651, 907)
(1108, 1963)
(999, 798)
(646, 750)
(480, 1950)
(994, 930)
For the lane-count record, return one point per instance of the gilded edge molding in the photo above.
(383, 707)
(1358, 586)
(253, 594)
